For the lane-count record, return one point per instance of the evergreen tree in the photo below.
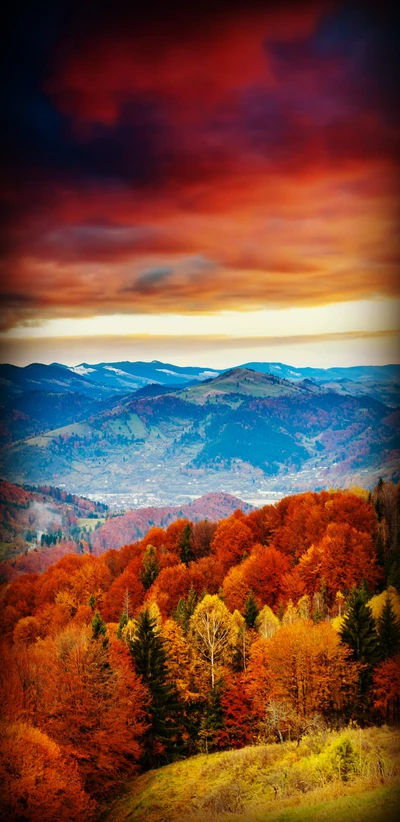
(185, 609)
(388, 631)
(150, 567)
(99, 627)
(359, 633)
(365, 590)
(92, 601)
(123, 621)
(213, 718)
(185, 545)
(162, 738)
(251, 610)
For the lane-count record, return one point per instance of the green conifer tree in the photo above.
(185, 609)
(185, 545)
(251, 610)
(123, 621)
(213, 718)
(388, 631)
(359, 633)
(99, 627)
(99, 631)
(150, 567)
(163, 737)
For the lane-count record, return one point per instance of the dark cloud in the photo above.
(147, 281)
(261, 136)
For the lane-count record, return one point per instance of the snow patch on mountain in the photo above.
(117, 371)
(81, 369)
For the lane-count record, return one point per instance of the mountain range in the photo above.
(98, 380)
(245, 431)
(101, 380)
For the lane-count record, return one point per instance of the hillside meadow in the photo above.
(352, 776)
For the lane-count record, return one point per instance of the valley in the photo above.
(40, 525)
(249, 433)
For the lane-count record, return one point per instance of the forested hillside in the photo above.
(241, 431)
(40, 525)
(201, 637)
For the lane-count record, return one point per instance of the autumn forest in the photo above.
(200, 637)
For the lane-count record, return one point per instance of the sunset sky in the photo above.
(210, 186)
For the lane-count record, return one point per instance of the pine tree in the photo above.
(122, 623)
(162, 738)
(212, 723)
(388, 631)
(359, 633)
(251, 610)
(185, 609)
(185, 545)
(150, 567)
(99, 627)
(92, 601)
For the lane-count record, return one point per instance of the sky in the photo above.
(207, 186)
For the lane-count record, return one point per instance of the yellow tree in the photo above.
(267, 623)
(182, 665)
(304, 607)
(213, 631)
(291, 614)
(310, 668)
(377, 603)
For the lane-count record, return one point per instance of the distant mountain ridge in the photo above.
(239, 431)
(97, 380)
(356, 373)
(104, 379)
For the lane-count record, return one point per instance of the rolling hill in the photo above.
(39, 525)
(278, 783)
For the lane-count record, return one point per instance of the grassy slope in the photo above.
(377, 805)
(243, 382)
(237, 785)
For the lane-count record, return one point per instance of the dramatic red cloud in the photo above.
(242, 158)
(201, 70)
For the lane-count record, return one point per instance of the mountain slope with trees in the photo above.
(264, 628)
(238, 430)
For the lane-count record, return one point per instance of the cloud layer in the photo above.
(237, 157)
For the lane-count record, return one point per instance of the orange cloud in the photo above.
(248, 152)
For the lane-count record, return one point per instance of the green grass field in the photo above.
(90, 523)
(43, 440)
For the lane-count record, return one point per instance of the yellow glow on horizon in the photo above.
(359, 316)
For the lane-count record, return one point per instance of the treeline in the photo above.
(199, 637)
(91, 507)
